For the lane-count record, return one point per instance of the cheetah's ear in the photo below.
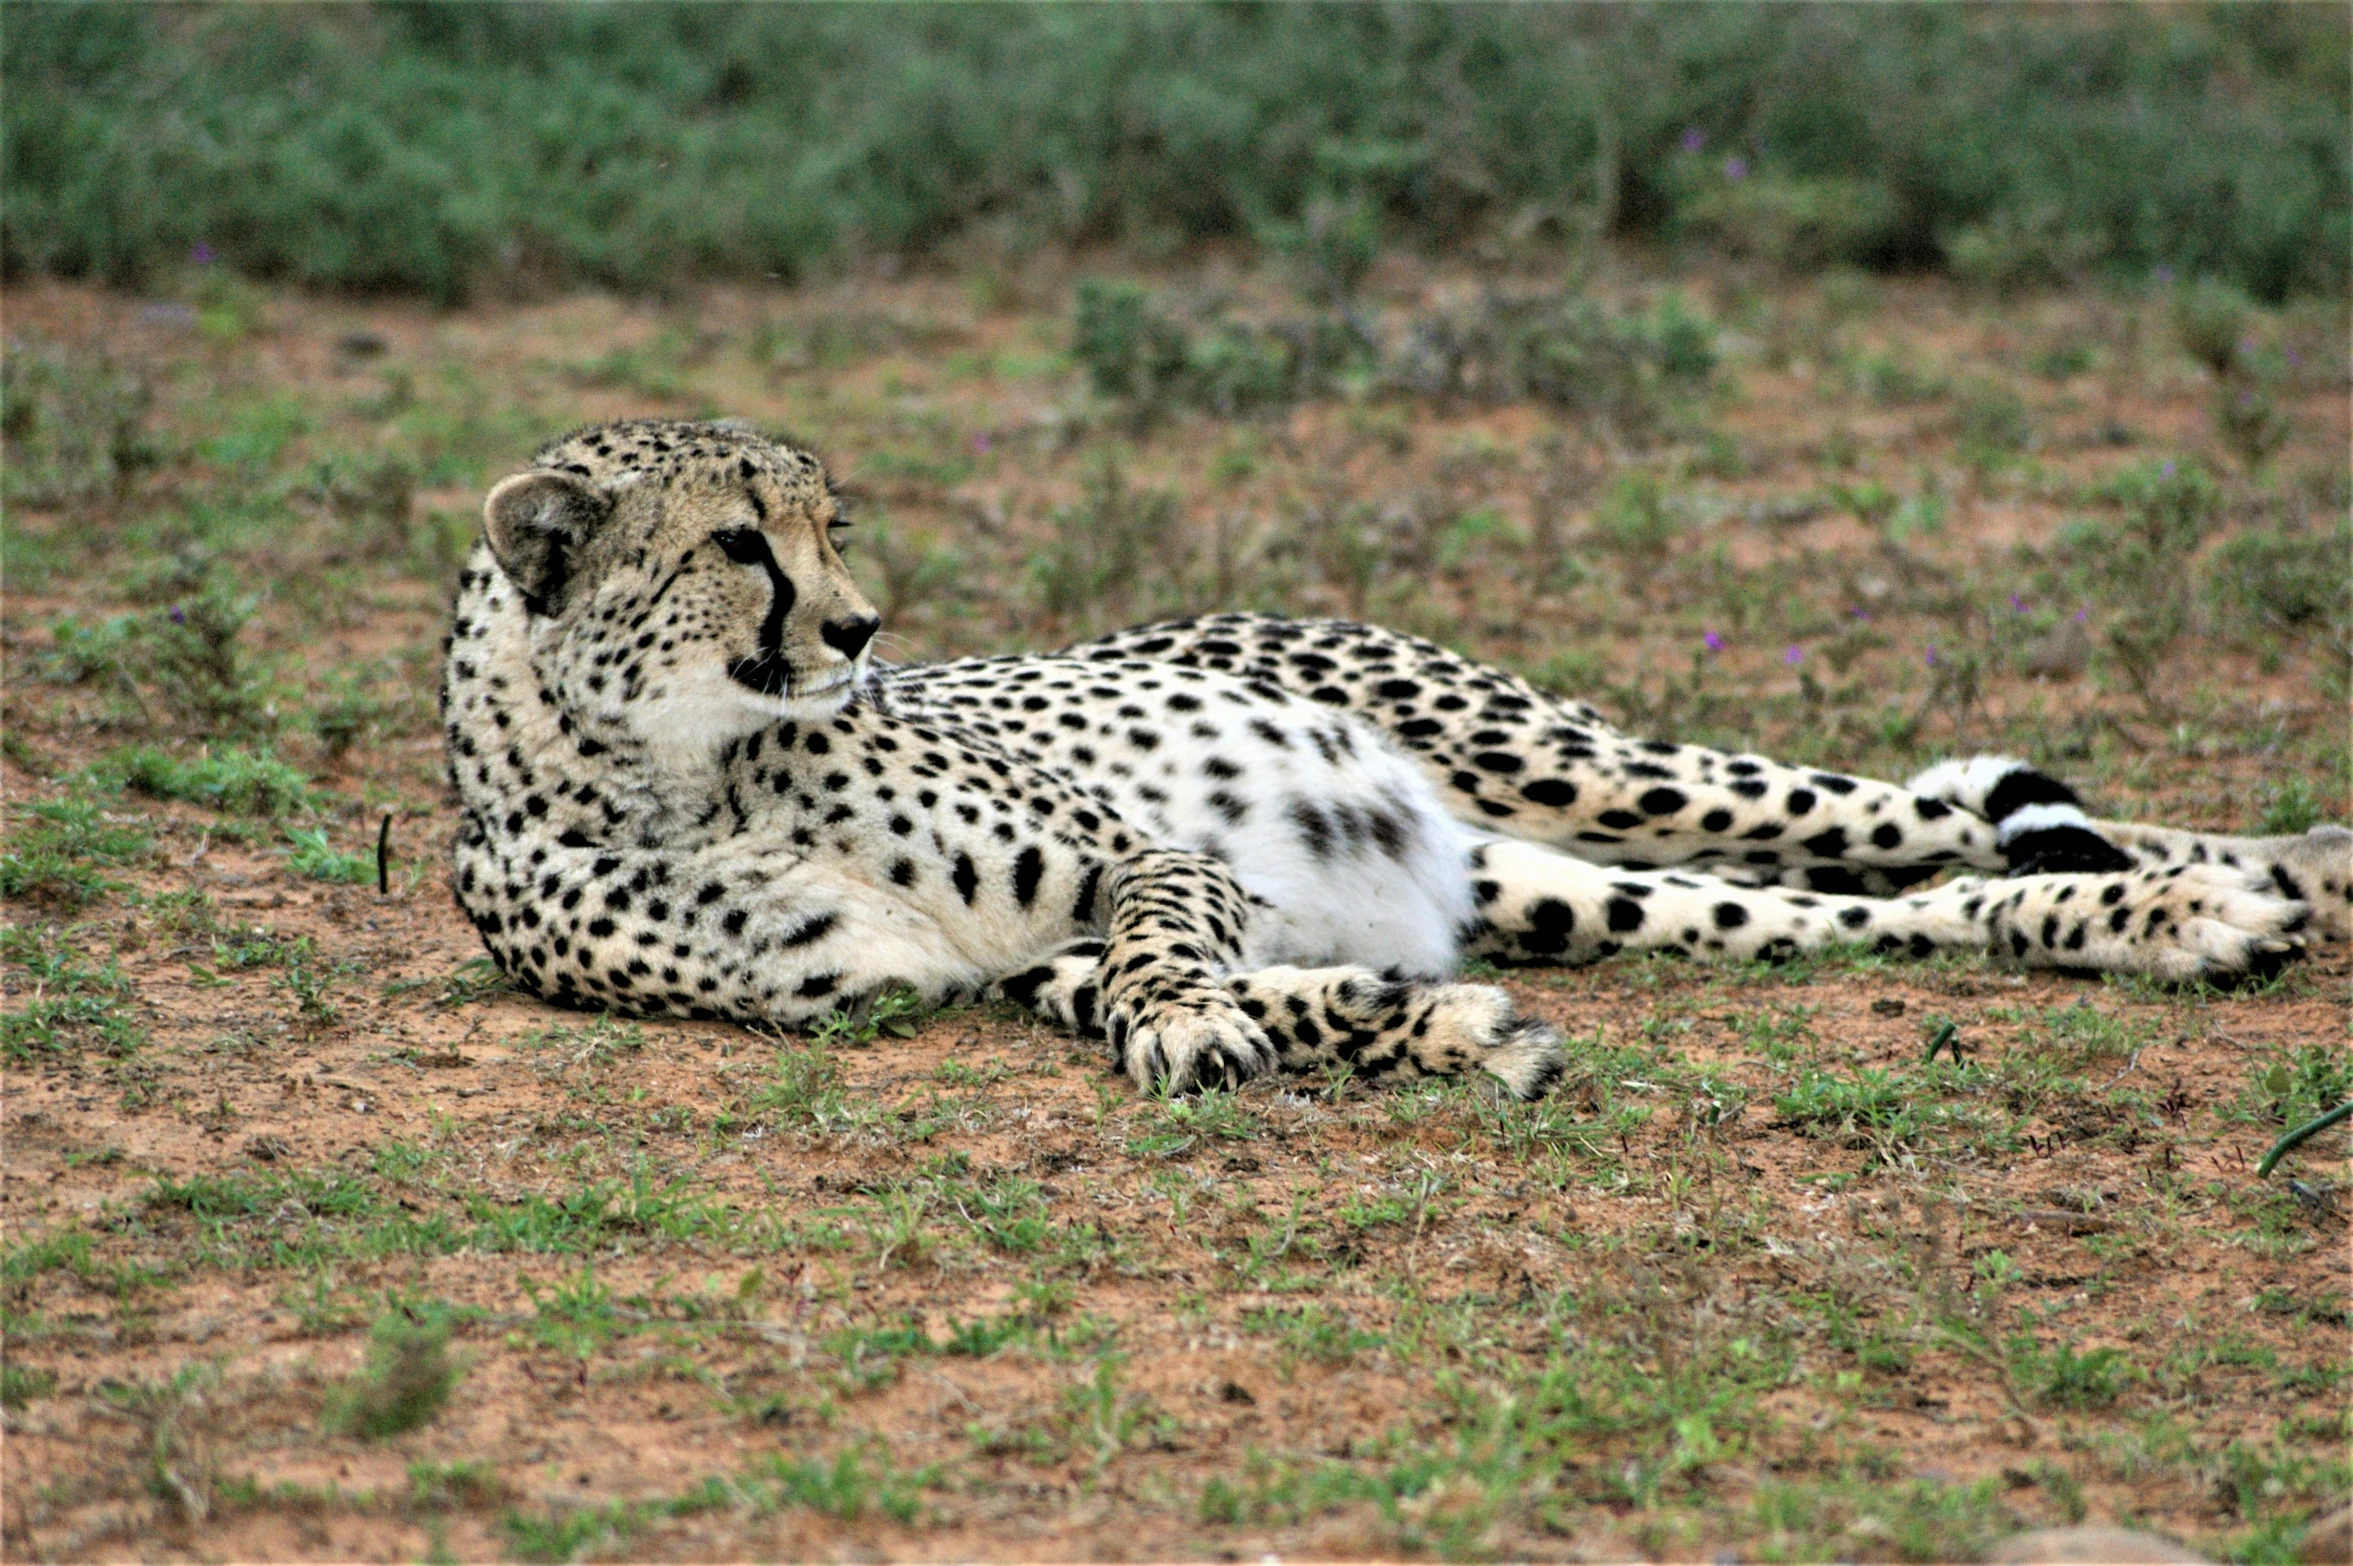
(536, 523)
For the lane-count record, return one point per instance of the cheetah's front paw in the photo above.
(1181, 1046)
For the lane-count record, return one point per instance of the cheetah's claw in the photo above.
(1182, 1049)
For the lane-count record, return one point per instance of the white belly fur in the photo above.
(1400, 904)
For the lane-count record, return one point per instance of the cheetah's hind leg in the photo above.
(2195, 922)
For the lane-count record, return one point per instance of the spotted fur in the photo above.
(1223, 847)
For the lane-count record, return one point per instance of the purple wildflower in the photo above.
(1694, 139)
(2017, 603)
(982, 443)
(2163, 274)
(179, 615)
(1736, 169)
(201, 254)
(2167, 470)
(1795, 656)
(2084, 614)
(1860, 613)
(1713, 642)
(1931, 659)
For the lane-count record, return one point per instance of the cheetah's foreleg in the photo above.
(1178, 921)
(1348, 1017)
(1378, 1027)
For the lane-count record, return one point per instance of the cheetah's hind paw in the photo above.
(1525, 1054)
(2191, 923)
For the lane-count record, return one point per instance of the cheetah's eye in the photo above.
(743, 545)
(838, 535)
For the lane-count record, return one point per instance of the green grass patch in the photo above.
(59, 851)
(314, 856)
(856, 1484)
(74, 1000)
(238, 781)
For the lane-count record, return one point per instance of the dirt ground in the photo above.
(321, 1244)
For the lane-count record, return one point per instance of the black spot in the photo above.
(1027, 870)
(1550, 924)
(965, 879)
(1887, 835)
(1624, 914)
(1801, 800)
(1497, 761)
(1314, 830)
(1716, 821)
(1826, 845)
(809, 932)
(1730, 916)
(1557, 792)
(1662, 801)
(1620, 819)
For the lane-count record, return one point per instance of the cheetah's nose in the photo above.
(850, 636)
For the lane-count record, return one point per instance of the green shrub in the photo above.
(1796, 221)
(246, 783)
(2270, 579)
(191, 654)
(74, 426)
(406, 1381)
(446, 149)
(2211, 319)
(1097, 560)
(314, 856)
(1127, 347)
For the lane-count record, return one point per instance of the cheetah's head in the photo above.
(684, 582)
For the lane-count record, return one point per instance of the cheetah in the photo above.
(1223, 847)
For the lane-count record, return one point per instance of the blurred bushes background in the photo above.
(448, 149)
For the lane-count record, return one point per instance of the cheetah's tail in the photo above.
(2039, 822)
